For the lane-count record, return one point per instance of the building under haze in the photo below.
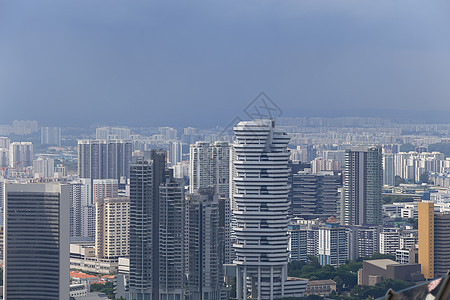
(51, 136)
(36, 242)
(261, 182)
(21, 154)
(363, 181)
(104, 159)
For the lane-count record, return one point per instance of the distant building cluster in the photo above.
(190, 213)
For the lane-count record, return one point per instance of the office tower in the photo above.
(36, 242)
(51, 136)
(112, 227)
(20, 154)
(112, 133)
(4, 158)
(209, 166)
(172, 210)
(175, 152)
(389, 241)
(44, 167)
(333, 243)
(388, 169)
(303, 240)
(363, 179)
(82, 210)
(4, 142)
(314, 195)
(262, 211)
(434, 234)
(206, 243)
(146, 175)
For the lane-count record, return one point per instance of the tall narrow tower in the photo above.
(262, 210)
(363, 181)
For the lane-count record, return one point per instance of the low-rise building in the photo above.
(375, 271)
(320, 287)
(82, 257)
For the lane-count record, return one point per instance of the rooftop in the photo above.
(382, 263)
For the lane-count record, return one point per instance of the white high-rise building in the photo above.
(20, 154)
(44, 167)
(389, 241)
(175, 153)
(262, 204)
(209, 166)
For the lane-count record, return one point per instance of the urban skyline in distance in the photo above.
(224, 150)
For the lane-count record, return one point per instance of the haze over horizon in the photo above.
(199, 63)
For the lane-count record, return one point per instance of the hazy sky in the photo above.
(200, 63)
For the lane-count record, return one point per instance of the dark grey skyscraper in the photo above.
(36, 242)
(146, 175)
(171, 239)
(363, 181)
(206, 244)
(104, 159)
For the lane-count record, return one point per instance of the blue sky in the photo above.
(199, 63)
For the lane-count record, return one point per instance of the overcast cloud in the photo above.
(200, 62)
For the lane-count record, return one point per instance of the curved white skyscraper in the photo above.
(262, 211)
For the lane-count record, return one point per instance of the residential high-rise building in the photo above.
(333, 243)
(51, 136)
(209, 166)
(44, 167)
(112, 133)
(172, 211)
(112, 227)
(82, 210)
(314, 195)
(388, 169)
(146, 175)
(389, 240)
(20, 154)
(363, 180)
(434, 234)
(206, 229)
(4, 142)
(36, 242)
(363, 241)
(303, 240)
(104, 188)
(262, 206)
(104, 159)
(4, 158)
(175, 153)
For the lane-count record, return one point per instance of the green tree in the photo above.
(106, 288)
